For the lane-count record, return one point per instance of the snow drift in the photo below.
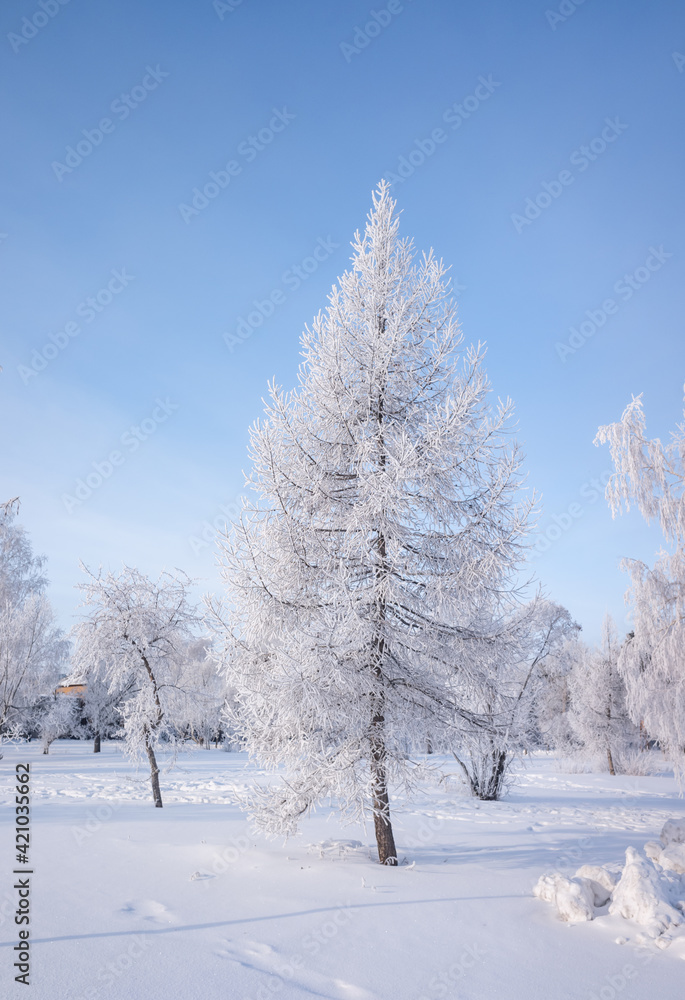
(650, 890)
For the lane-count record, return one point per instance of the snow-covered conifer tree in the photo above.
(599, 715)
(134, 627)
(103, 704)
(652, 475)
(380, 545)
(553, 698)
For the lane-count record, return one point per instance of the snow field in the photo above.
(132, 902)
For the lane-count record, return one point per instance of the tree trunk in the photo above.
(608, 715)
(154, 775)
(387, 852)
(96, 743)
(491, 787)
(498, 775)
(148, 731)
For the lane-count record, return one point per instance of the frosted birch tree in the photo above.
(379, 545)
(61, 719)
(651, 475)
(33, 650)
(133, 629)
(501, 695)
(199, 718)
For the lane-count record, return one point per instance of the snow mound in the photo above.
(673, 858)
(573, 897)
(649, 891)
(602, 880)
(673, 832)
(643, 897)
(653, 850)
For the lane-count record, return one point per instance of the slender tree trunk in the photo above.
(96, 743)
(498, 774)
(611, 761)
(469, 778)
(387, 852)
(644, 741)
(154, 771)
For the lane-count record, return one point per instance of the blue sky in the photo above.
(515, 91)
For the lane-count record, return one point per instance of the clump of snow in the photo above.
(336, 848)
(643, 897)
(602, 880)
(573, 897)
(673, 832)
(648, 891)
(653, 850)
(545, 888)
(673, 858)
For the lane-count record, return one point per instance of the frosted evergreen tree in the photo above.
(599, 715)
(651, 475)
(377, 553)
(104, 703)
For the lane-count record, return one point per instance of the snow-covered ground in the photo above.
(131, 902)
